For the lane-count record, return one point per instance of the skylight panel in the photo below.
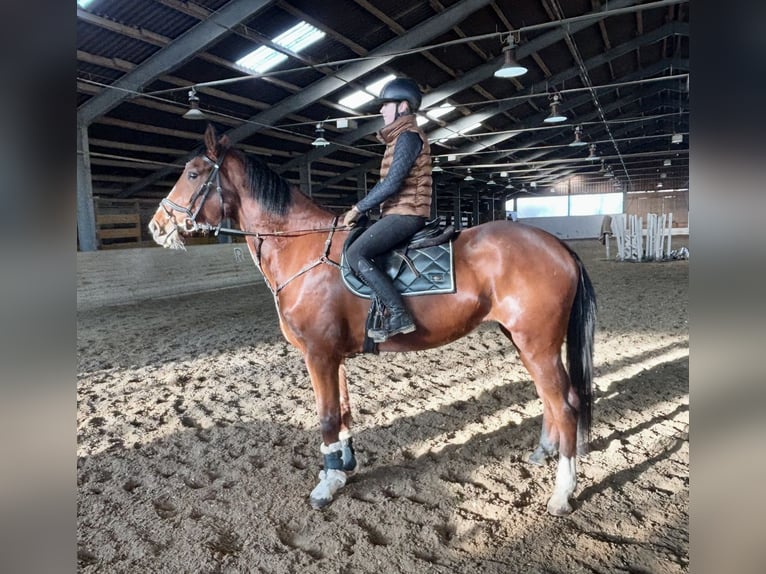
(360, 97)
(460, 133)
(435, 113)
(297, 38)
(470, 128)
(83, 3)
(440, 111)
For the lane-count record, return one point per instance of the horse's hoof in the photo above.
(538, 457)
(558, 508)
(330, 482)
(319, 503)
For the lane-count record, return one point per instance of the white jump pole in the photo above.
(670, 232)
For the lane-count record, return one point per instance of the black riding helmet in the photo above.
(401, 90)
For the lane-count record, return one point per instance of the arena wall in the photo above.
(115, 277)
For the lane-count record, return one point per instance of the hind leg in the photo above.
(549, 438)
(552, 385)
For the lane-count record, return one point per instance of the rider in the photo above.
(404, 195)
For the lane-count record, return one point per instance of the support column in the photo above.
(456, 210)
(361, 185)
(434, 207)
(304, 173)
(476, 208)
(86, 218)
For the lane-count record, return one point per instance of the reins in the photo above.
(324, 258)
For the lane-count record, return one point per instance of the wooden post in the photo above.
(86, 218)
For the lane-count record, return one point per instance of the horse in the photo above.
(524, 279)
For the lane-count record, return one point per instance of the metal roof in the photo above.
(620, 67)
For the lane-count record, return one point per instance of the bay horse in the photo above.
(525, 279)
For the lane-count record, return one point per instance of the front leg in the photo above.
(324, 372)
(350, 462)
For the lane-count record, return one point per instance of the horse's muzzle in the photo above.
(165, 234)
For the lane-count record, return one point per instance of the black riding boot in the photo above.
(397, 319)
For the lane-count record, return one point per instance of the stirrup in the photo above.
(387, 331)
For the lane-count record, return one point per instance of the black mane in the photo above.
(267, 187)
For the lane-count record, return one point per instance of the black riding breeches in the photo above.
(386, 233)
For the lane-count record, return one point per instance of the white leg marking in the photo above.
(566, 482)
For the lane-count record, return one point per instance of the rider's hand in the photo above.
(351, 216)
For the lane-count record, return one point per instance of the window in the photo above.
(542, 206)
(596, 204)
(562, 205)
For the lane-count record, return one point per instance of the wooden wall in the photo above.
(120, 276)
(677, 203)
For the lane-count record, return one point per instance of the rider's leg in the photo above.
(384, 234)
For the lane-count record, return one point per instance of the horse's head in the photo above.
(197, 201)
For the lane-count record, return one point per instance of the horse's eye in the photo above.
(193, 175)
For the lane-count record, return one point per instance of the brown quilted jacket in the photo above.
(414, 197)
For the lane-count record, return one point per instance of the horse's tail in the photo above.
(580, 336)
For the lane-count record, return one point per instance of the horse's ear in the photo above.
(211, 144)
(224, 141)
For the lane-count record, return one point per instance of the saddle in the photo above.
(421, 266)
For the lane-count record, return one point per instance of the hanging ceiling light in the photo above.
(578, 137)
(676, 138)
(194, 113)
(492, 180)
(592, 155)
(468, 177)
(436, 168)
(510, 68)
(555, 116)
(666, 162)
(320, 141)
(510, 184)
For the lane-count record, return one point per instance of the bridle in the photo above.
(190, 222)
(190, 225)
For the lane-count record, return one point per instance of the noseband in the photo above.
(190, 223)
